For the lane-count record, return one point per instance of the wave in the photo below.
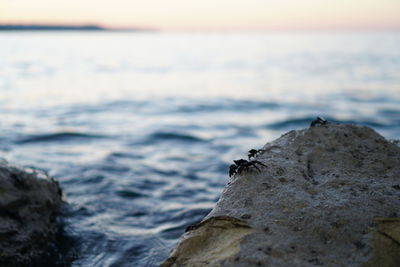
(305, 122)
(226, 105)
(128, 194)
(390, 113)
(56, 137)
(170, 136)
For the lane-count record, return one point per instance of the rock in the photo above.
(330, 196)
(386, 243)
(29, 204)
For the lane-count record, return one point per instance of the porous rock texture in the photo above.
(330, 196)
(29, 203)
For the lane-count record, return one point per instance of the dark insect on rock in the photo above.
(254, 152)
(232, 170)
(242, 164)
(245, 165)
(318, 121)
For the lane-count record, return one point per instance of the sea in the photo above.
(140, 128)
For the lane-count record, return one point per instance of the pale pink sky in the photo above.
(209, 14)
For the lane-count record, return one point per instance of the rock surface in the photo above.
(29, 203)
(330, 195)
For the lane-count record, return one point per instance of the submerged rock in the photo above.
(29, 204)
(330, 195)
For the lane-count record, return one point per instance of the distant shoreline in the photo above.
(45, 27)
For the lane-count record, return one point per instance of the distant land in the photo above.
(50, 27)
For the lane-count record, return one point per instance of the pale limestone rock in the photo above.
(329, 196)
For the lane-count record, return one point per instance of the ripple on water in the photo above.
(225, 105)
(305, 122)
(129, 194)
(140, 165)
(290, 123)
(173, 136)
(57, 137)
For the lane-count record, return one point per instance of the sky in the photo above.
(208, 14)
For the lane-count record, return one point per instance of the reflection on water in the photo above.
(140, 128)
(70, 68)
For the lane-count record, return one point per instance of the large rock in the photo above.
(330, 195)
(29, 203)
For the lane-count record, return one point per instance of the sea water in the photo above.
(139, 128)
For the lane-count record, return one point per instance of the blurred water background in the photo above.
(140, 128)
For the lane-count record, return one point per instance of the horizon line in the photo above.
(59, 26)
(68, 26)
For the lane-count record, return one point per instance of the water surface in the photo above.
(140, 128)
